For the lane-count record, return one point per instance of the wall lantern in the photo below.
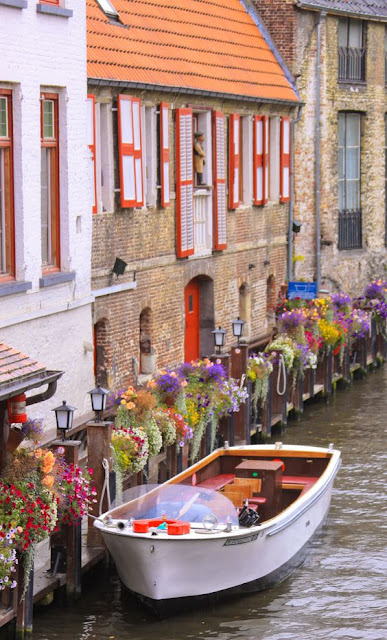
(219, 338)
(119, 267)
(64, 417)
(237, 328)
(98, 401)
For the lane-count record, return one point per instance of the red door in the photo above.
(192, 325)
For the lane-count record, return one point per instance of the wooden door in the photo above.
(192, 321)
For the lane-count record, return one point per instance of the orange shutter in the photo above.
(266, 150)
(184, 183)
(164, 154)
(258, 160)
(126, 151)
(285, 160)
(234, 162)
(220, 231)
(137, 147)
(91, 145)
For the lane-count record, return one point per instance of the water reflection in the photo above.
(338, 594)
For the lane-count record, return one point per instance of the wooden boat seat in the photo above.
(255, 483)
(235, 495)
(216, 483)
(298, 482)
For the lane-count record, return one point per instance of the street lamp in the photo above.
(237, 328)
(98, 401)
(64, 417)
(219, 338)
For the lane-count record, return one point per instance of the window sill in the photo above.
(9, 288)
(15, 4)
(53, 10)
(352, 83)
(56, 278)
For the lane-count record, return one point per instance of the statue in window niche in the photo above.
(199, 155)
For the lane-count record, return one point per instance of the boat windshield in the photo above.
(175, 501)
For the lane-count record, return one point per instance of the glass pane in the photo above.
(341, 163)
(343, 32)
(3, 118)
(341, 195)
(353, 194)
(352, 163)
(48, 119)
(353, 130)
(355, 33)
(341, 132)
(45, 205)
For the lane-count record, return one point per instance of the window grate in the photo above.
(350, 229)
(352, 64)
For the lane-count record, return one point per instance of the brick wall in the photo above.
(279, 18)
(146, 240)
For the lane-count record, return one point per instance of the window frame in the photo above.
(344, 180)
(6, 142)
(54, 212)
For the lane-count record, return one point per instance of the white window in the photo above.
(246, 156)
(274, 170)
(104, 157)
(149, 136)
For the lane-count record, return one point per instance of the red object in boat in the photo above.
(174, 527)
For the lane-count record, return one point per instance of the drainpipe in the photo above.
(322, 14)
(291, 201)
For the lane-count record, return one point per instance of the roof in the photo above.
(363, 8)
(19, 372)
(210, 46)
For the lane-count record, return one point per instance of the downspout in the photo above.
(291, 200)
(321, 15)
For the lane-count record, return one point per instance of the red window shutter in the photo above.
(126, 151)
(220, 230)
(266, 150)
(184, 183)
(285, 160)
(91, 144)
(258, 160)
(164, 153)
(234, 162)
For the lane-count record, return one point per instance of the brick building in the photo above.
(339, 157)
(45, 217)
(196, 255)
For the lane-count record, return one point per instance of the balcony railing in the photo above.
(351, 64)
(350, 231)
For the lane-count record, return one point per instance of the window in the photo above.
(149, 135)
(246, 160)
(349, 180)
(351, 50)
(49, 181)
(274, 159)
(130, 151)
(107, 7)
(7, 251)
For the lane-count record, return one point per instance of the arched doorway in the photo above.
(199, 318)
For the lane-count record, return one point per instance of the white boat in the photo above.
(290, 488)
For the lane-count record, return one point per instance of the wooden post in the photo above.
(74, 559)
(248, 411)
(239, 355)
(98, 447)
(71, 449)
(24, 609)
(231, 435)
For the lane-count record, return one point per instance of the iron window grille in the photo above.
(350, 229)
(349, 188)
(351, 50)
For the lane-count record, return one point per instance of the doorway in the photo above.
(192, 321)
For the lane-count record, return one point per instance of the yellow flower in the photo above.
(130, 405)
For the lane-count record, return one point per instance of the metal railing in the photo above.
(352, 64)
(350, 229)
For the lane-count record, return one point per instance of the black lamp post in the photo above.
(98, 401)
(237, 328)
(64, 418)
(219, 338)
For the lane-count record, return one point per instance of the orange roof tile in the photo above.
(15, 365)
(207, 45)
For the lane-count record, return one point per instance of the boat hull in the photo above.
(161, 569)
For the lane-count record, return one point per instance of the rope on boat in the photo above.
(281, 369)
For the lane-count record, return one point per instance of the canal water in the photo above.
(340, 593)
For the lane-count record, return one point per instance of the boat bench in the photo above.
(298, 482)
(216, 483)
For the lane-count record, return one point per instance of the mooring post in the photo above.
(25, 606)
(71, 449)
(231, 436)
(239, 356)
(99, 459)
(223, 359)
(248, 411)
